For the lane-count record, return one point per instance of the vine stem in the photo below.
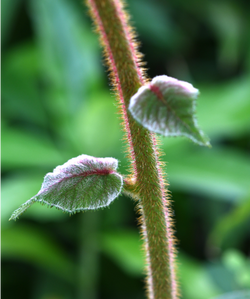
(150, 186)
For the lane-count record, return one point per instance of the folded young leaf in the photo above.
(167, 106)
(82, 183)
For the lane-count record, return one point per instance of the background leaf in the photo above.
(28, 244)
(125, 248)
(8, 11)
(235, 295)
(22, 149)
(233, 226)
(221, 173)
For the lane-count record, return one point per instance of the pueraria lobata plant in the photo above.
(165, 106)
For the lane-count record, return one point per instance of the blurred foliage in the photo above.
(56, 104)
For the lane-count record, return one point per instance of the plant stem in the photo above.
(88, 256)
(124, 63)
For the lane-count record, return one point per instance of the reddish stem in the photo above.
(150, 185)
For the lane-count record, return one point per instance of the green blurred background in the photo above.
(57, 104)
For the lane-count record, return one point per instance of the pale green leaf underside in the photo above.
(167, 106)
(82, 183)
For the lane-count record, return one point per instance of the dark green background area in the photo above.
(57, 104)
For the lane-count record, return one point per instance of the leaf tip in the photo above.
(15, 215)
(206, 143)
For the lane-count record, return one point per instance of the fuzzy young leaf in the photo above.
(167, 106)
(82, 183)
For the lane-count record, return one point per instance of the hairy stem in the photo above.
(149, 184)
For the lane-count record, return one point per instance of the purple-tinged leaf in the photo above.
(167, 106)
(82, 183)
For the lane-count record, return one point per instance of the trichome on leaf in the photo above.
(82, 183)
(167, 106)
